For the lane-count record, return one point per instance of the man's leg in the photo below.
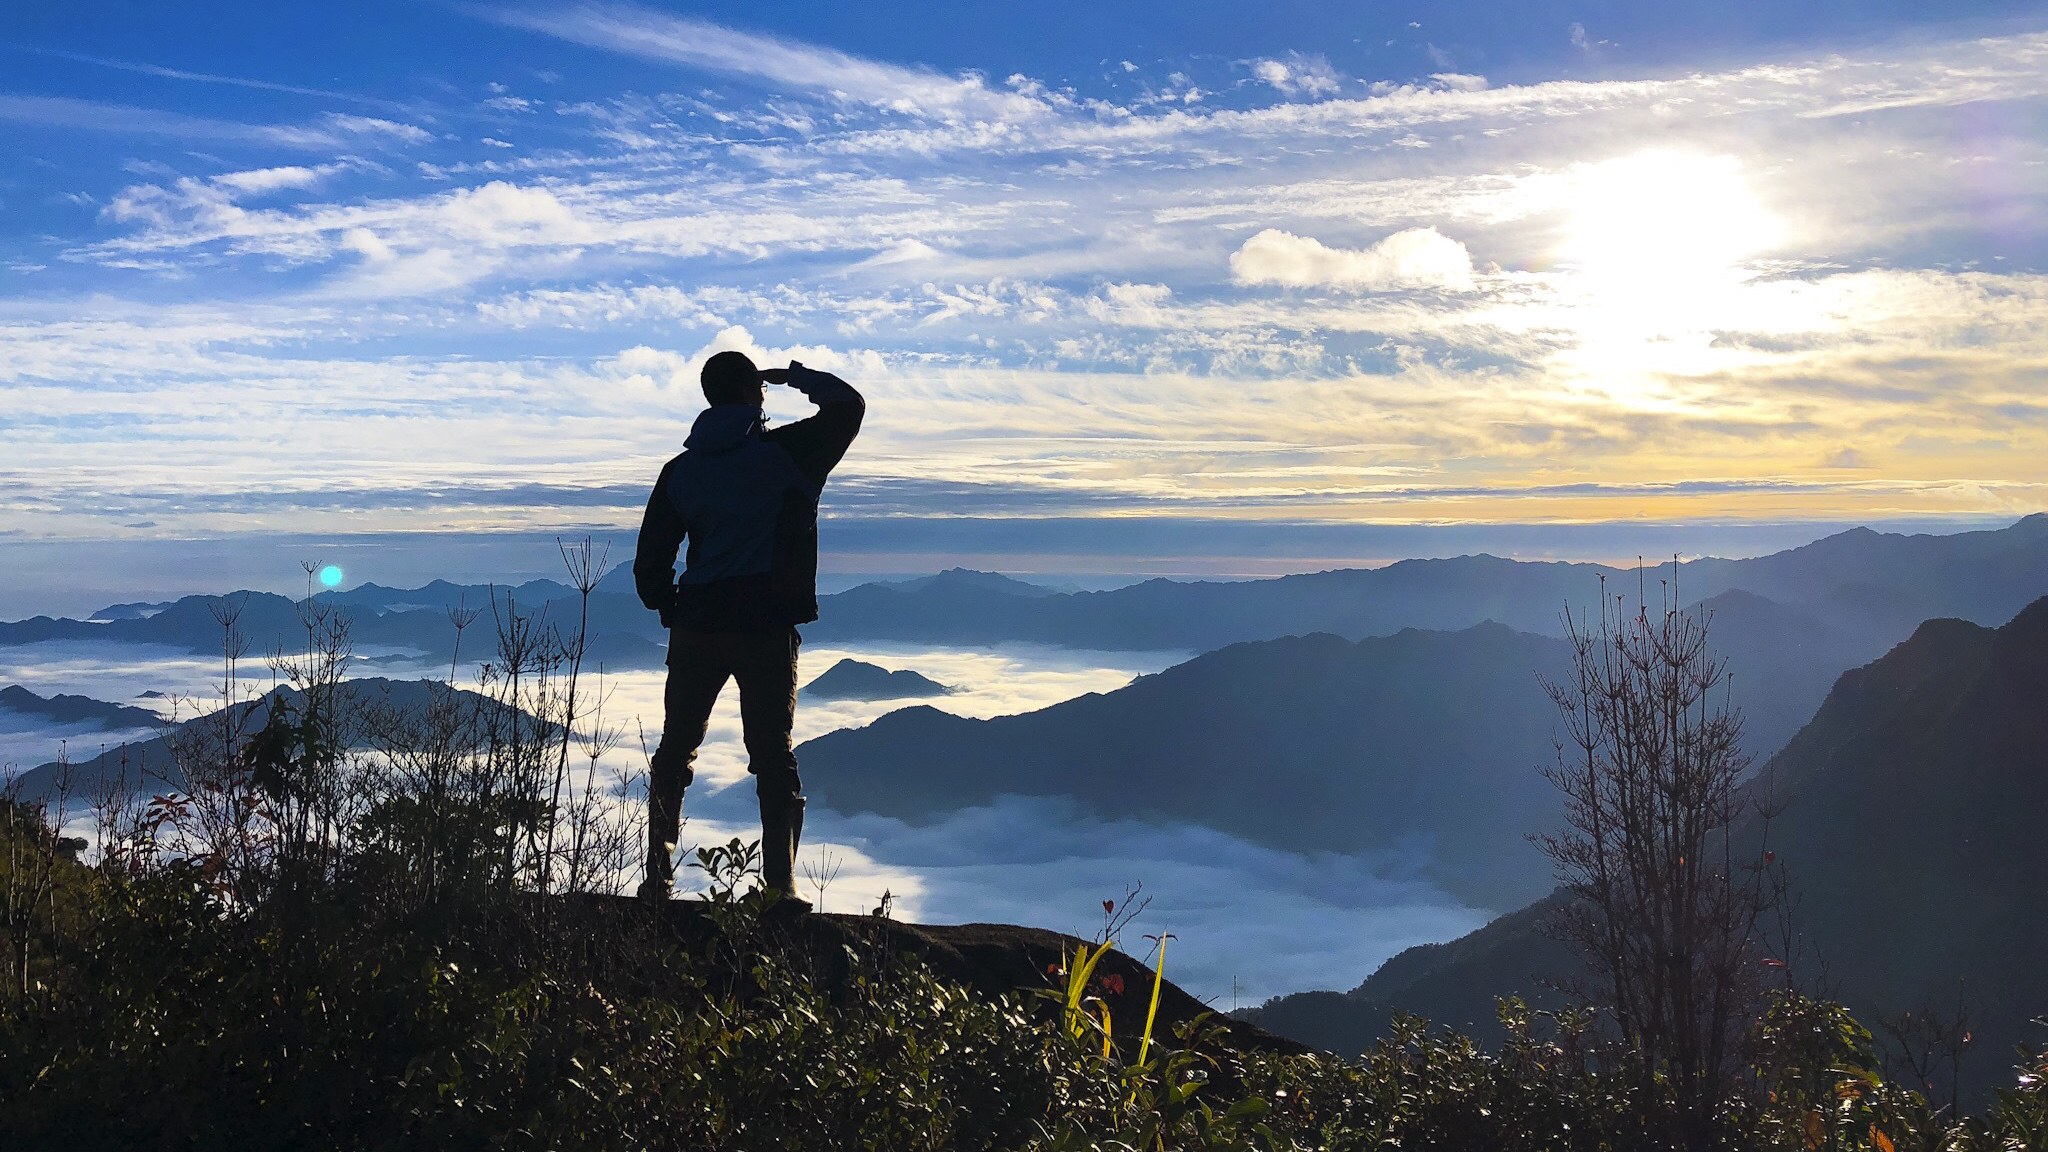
(767, 676)
(697, 672)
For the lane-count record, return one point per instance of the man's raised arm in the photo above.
(818, 442)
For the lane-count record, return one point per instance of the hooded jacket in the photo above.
(745, 497)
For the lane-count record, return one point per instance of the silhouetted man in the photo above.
(745, 496)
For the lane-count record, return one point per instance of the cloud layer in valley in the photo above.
(1250, 921)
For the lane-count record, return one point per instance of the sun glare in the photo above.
(1655, 257)
(1664, 217)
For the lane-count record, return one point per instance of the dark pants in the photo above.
(699, 664)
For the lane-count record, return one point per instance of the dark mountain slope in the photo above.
(1915, 824)
(1917, 836)
(61, 709)
(1417, 740)
(1427, 740)
(1455, 984)
(858, 680)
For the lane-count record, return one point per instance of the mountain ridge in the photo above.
(1869, 585)
(73, 709)
(1915, 805)
(852, 679)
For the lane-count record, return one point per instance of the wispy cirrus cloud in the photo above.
(773, 61)
(147, 69)
(329, 131)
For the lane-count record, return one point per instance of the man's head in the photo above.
(731, 378)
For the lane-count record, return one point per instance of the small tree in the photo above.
(1667, 905)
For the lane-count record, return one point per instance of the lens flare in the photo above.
(331, 575)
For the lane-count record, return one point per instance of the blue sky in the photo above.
(1259, 277)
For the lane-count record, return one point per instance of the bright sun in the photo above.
(1655, 258)
(1664, 217)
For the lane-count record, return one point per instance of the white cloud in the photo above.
(1460, 81)
(1288, 922)
(650, 34)
(261, 180)
(510, 214)
(432, 244)
(1410, 258)
(332, 130)
(657, 368)
(1299, 74)
(344, 126)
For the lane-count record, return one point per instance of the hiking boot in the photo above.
(661, 870)
(782, 826)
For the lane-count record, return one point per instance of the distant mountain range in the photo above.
(1422, 745)
(1421, 742)
(1869, 588)
(64, 709)
(622, 633)
(1859, 582)
(1310, 743)
(852, 679)
(1915, 830)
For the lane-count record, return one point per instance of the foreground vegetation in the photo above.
(161, 1015)
(365, 930)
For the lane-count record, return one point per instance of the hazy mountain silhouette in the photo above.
(1916, 819)
(1424, 742)
(63, 709)
(1870, 587)
(1310, 743)
(1875, 584)
(134, 611)
(441, 595)
(968, 580)
(149, 766)
(852, 679)
(622, 633)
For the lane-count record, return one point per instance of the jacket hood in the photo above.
(723, 427)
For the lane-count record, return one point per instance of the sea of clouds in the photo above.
(1248, 922)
